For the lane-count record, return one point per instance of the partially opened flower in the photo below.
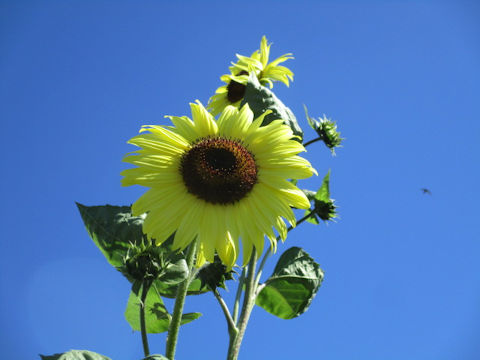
(218, 182)
(235, 83)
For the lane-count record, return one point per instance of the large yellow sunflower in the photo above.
(235, 83)
(217, 182)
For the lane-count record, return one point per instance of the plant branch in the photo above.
(228, 317)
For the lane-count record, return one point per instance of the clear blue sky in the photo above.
(402, 279)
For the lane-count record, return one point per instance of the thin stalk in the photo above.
(312, 141)
(226, 312)
(238, 295)
(300, 221)
(179, 303)
(248, 302)
(143, 325)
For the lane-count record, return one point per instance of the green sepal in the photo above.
(261, 99)
(155, 357)
(326, 129)
(76, 355)
(289, 291)
(157, 317)
(324, 207)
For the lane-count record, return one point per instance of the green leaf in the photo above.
(76, 355)
(323, 194)
(112, 228)
(157, 318)
(291, 288)
(176, 271)
(261, 99)
(189, 317)
(170, 291)
(156, 315)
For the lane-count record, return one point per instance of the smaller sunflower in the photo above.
(233, 91)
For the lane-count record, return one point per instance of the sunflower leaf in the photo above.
(157, 317)
(75, 355)
(291, 288)
(196, 287)
(323, 194)
(112, 229)
(261, 99)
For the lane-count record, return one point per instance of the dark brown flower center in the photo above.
(236, 90)
(218, 170)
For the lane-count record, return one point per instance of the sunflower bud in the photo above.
(323, 206)
(325, 210)
(215, 274)
(326, 129)
(144, 262)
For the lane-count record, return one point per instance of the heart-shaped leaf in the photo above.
(112, 229)
(294, 283)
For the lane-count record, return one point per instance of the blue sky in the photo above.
(79, 78)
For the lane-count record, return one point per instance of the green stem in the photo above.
(228, 317)
(312, 141)
(143, 325)
(238, 295)
(179, 303)
(248, 303)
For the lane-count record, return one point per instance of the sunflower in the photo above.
(235, 83)
(216, 182)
